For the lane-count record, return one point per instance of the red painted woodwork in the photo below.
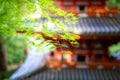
(92, 7)
(94, 55)
(87, 48)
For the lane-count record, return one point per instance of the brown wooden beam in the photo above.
(83, 36)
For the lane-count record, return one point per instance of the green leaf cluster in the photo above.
(114, 48)
(15, 48)
(115, 3)
(17, 15)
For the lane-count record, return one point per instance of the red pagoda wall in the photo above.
(90, 54)
(91, 7)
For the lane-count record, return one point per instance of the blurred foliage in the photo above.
(22, 15)
(16, 14)
(15, 49)
(6, 75)
(115, 3)
(114, 48)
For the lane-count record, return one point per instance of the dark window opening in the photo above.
(112, 58)
(80, 58)
(52, 53)
(98, 57)
(81, 8)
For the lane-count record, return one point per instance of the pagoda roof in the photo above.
(91, 25)
(76, 74)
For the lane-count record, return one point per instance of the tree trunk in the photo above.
(3, 61)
